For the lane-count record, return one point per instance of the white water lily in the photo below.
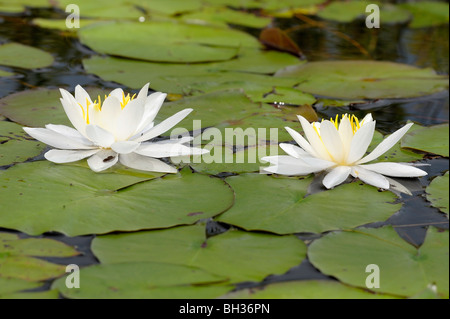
(339, 148)
(119, 129)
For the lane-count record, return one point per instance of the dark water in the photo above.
(428, 47)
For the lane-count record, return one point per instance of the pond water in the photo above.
(319, 39)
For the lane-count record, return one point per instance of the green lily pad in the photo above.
(4, 73)
(433, 139)
(11, 8)
(24, 56)
(364, 79)
(305, 289)
(14, 285)
(236, 255)
(96, 9)
(48, 294)
(15, 145)
(28, 3)
(437, 193)
(427, 13)
(279, 205)
(38, 107)
(166, 41)
(60, 24)
(172, 7)
(155, 280)
(41, 196)
(345, 255)
(16, 261)
(225, 15)
(347, 11)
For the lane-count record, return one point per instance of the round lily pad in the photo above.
(5, 73)
(155, 280)
(24, 56)
(279, 205)
(16, 260)
(41, 196)
(437, 192)
(15, 145)
(427, 13)
(306, 289)
(365, 79)
(236, 255)
(165, 41)
(433, 139)
(403, 269)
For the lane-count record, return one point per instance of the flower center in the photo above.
(354, 122)
(96, 106)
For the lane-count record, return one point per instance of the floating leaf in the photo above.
(38, 107)
(15, 260)
(47, 294)
(404, 270)
(165, 41)
(305, 289)
(14, 285)
(15, 145)
(225, 15)
(277, 39)
(237, 255)
(5, 73)
(96, 9)
(41, 196)
(24, 56)
(437, 192)
(60, 24)
(279, 205)
(364, 79)
(155, 280)
(433, 139)
(427, 13)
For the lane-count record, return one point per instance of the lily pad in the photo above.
(437, 192)
(306, 289)
(166, 41)
(47, 294)
(96, 9)
(365, 79)
(155, 280)
(225, 15)
(433, 139)
(236, 255)
(345, 255)
(38, 107)
(24, 56)
(14, 285)
(4, 73)
(16, 261)
(427, 13)
(347, 11)
(279, 205)
(15, 145)
(60, 24)
(41, 196)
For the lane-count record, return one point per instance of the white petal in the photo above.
(361, 141)
(370, 177)
(367, 119)
(67, 156)
(117, 93)
(164, 126)
(142, 95)
(69, 132)
(395, 169)
(181, 140)
(346, 133)
(144, 163)
(125, 147)
(110, 112)
(55, 139)
(288, 165)
(99, 136)
(337, 175)
(386, 144)
(73, 111)
(152, 106)
(293, 150)
(319, 163)
(159, 150)
(332, 141)
(102, 160)
(81, 95)
(301, 141)
(129, 119)
(314, 139)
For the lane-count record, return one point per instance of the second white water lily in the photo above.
(118, 129)
(339, 148)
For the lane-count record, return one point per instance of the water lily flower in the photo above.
(339, 148)
(118, 129)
